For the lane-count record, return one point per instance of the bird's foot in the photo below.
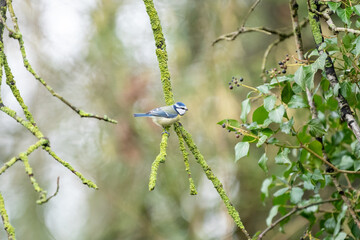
(165, 132)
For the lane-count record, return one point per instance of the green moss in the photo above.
(7, 226)
(210, 175)
(186, 161)
(159, 159)
(160, 51)
(315, 23)
(68, 166)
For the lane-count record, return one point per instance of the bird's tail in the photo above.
(141, 115)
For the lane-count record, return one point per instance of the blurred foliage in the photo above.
(111, 69)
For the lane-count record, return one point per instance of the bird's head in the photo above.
(180, 108)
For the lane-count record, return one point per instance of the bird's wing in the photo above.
(166, 112)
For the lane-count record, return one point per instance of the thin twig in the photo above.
(252, 8)
(293, 211)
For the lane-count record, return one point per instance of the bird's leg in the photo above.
(165, 131)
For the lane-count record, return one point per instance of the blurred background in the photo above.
(100, 55)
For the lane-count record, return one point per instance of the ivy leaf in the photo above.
(297, 101)
(280, 191)
(282, 157)
(287, 93)
(319, 63)
(346, 162)
(286, 127)
(269, 102)
(345, 14)
(277, 114)
(262, 140)
(245, 109)
(262, 163)
(241, 150)
(260, 114)
(304, 77)
(316, 128)
(357, 46)
(334, 5)
(296, 194)
(267, 183)
(272, 214)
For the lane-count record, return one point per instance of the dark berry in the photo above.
(287, 58)
(231, 87)
(283, 71)
(238, 85)
(229, 130)
(275, 69)
(279, 72)
(235, 82)
(284, 61)
(241, 79)
(280, 63)
(223, 125)
(237, 135)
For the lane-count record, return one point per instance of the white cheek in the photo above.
(181, 111)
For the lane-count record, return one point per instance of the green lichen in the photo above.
(159, 159)
(186, 161)
(68, 166)
(211, 176)
(7, 226)
(160, 51)
(315, 23)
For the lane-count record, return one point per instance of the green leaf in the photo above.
(356, 9)
(287, 93)
(345, 89)
(296, 195)
(346, 162)
(272, 214)
(262, 163)
(357, 46)
(269, 102)
(277, 114)
(260, 114)
(282, 157)
(297, 101)
(261, 141)
(334, 5)
(345, 14)
(316, 147)
(317, 175)
(241, 150)
(319, 63)
(304, 77)
(287, 126)
(280, 191)
(356, 165)
(267, 183)
(303, 136)
(341, 236)
(245, 109)
(265, 88)
(316, 128)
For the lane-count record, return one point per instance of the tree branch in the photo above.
(345, 110)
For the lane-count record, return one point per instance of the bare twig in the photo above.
(252, 8)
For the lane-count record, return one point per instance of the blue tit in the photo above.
(165, 116)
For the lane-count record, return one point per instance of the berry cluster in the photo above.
(235, 82)
(283, 65)
(237, 133)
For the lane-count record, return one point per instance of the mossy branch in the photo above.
(211, 176)
(159, 159)
(186, 161)
(182, 134)
(16, 34)
(7, 226)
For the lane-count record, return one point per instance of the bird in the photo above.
(165, 116)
